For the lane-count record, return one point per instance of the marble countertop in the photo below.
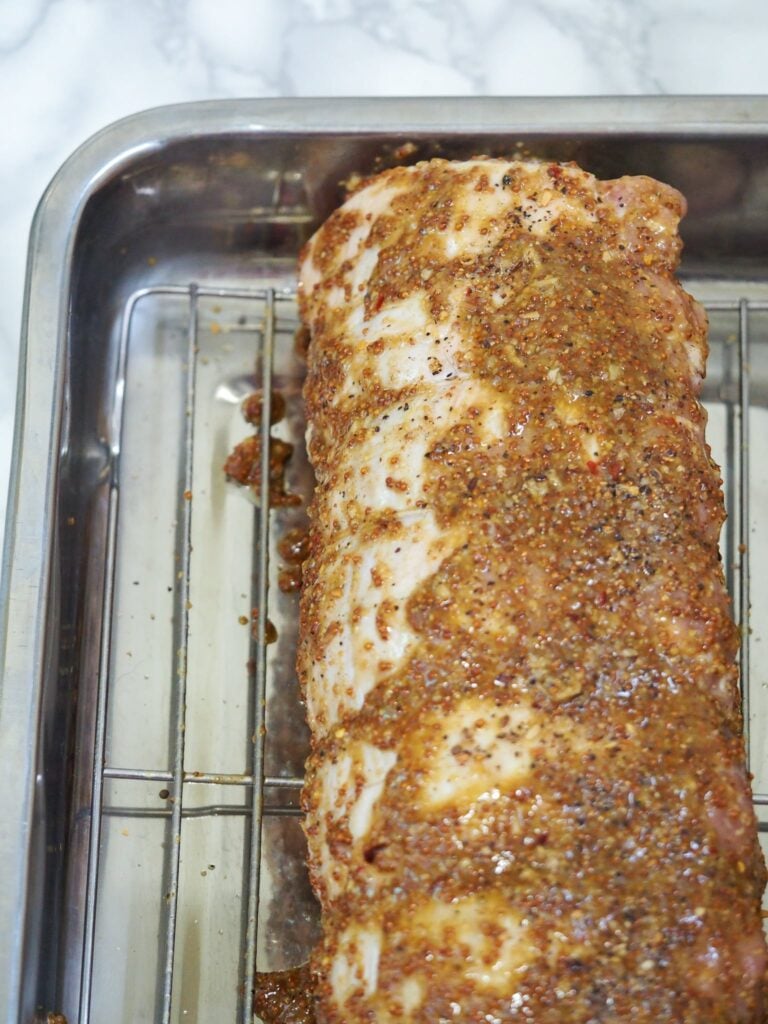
(69, 67)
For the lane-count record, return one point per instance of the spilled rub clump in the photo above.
(526, 796)
(243, 464)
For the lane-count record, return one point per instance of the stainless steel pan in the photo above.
(151, 744)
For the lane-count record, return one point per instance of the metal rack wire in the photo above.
(734, 393)
(176, 776)
(737, 527)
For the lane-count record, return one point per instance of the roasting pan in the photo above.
(151, 743)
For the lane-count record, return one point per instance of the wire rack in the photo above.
(270, 303)
(272, 309)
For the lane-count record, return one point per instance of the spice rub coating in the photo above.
(526, 797)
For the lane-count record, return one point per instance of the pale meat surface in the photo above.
(526, 798)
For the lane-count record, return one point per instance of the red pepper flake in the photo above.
(593, 467)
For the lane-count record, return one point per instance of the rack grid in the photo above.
(268, 309)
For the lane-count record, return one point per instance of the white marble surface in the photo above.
(68, 67)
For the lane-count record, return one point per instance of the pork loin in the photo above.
(526, 798)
